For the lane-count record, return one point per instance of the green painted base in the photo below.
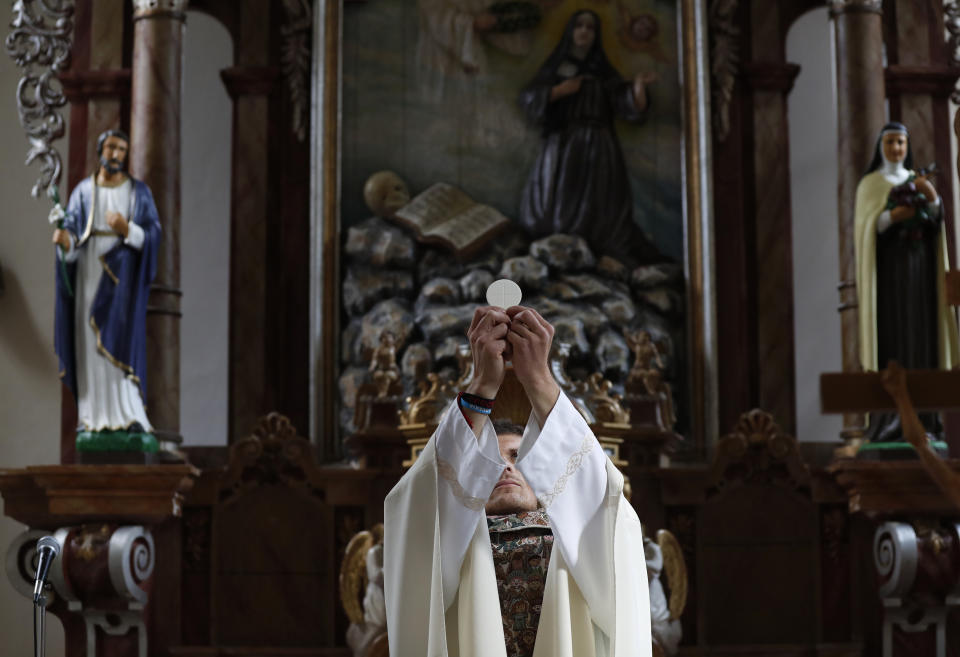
(883, 451)
(116, 441)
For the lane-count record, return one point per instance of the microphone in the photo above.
(48, 549)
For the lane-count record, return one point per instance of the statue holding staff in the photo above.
(109, 238)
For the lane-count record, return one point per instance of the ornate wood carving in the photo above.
(40, 44)
(758, 451)
(605, 407)
(951, 20)
(833, 530)
(425, 408)
(724, 61)
(295, 61)
(273, 455)
(196, 539)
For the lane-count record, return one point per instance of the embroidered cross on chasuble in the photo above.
(521, 544)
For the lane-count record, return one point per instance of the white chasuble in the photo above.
(439, 579)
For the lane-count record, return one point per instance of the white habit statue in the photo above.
(518, 545)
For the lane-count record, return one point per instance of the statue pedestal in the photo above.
(884, 489)
(916, 550)
(377, 443)
(109, 522)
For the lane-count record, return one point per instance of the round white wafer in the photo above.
(504, 293)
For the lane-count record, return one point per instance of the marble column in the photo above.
(155, 158)
(860, 115)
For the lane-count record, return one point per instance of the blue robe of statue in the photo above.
(119, 309)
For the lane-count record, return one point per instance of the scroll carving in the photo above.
(40, 43)
(724, 62)
(295, 62)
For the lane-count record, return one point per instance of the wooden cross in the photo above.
(905, 391)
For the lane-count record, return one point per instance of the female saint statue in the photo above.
(901, 257)
(579, 183)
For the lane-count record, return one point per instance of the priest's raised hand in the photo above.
(530, 338)
(487, 335)
(474, 571)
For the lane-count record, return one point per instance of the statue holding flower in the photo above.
(108, 238)
(901, 257)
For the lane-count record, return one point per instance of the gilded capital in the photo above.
(142, 8)
(838, 7)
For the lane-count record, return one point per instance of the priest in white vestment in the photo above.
(457, 580)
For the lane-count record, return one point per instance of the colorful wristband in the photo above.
(483, 402)
(473, 407)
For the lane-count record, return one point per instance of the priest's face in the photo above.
(512, 494)
(895, 146)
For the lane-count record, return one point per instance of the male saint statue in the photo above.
(514, 545)
(109, 239)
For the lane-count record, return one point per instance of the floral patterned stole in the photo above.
(521, 544)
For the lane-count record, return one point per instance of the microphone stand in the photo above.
(39, 628)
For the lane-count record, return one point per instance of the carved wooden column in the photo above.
(860, 115)
(254, 222)
(770, 83)
(769, 79)
(155, 159)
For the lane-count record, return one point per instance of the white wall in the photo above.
(812, 115)
(205, 232)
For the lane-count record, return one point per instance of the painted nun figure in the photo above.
(110, 237)
(901, 257)
(579, 184)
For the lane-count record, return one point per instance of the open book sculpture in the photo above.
(445, 215)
